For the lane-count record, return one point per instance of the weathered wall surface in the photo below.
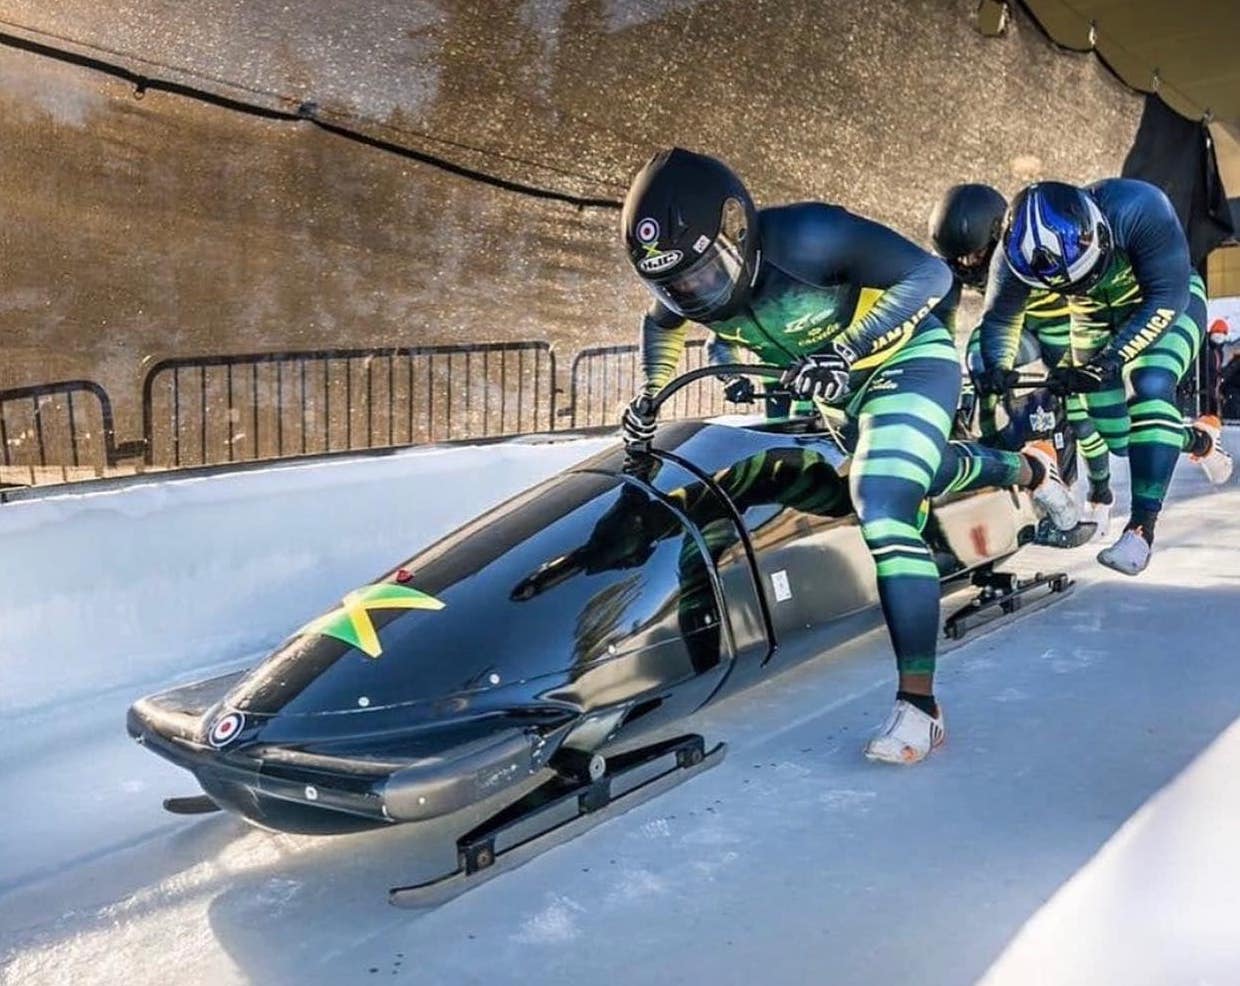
(144, 228)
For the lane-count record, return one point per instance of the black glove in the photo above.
(637, 422)
(738, 390)
(823, 374)
(1100, 373)
(995, 381)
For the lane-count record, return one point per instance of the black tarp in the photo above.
(1177, 155)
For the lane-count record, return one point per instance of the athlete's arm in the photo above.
(662, 343)
(1147, 229)
(912, 283)
(1003, 315)
(825, 244)
(719, 351)
(947, 309)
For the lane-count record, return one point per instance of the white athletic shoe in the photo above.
(1129, 555)
(1051, 494)
(1100, 514)
(907, 736)
(1217, 463)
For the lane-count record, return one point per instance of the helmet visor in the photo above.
(707, 284)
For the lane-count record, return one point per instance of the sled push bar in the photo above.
(766, 370)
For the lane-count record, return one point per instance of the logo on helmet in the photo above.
(659, 262)
(647, 231)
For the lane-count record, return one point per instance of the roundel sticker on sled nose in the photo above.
(225, 729)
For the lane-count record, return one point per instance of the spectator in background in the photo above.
(1216, 337)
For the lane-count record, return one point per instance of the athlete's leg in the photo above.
(1054, 343)
(1092, 445)
(987, 404)
(1108, 409)
(903, 420)
(972, 465)
(1204, 439)
(1159, 434)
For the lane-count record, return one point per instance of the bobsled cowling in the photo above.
(592, 610)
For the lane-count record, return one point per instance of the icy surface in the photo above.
(1079, 826)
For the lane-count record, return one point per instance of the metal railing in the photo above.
(605, 378)
(236, 408)
(219, 409)
(59, 432)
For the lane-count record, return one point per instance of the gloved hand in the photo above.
(738, 390)
(1100, 373)
(637, 421)
(823, 374)
(995, 381)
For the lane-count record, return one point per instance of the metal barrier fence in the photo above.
(59, 432)
(605, 378)
(215, 409)
(212, 410)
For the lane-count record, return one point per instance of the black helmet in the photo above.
(965, 227)
(690, 229)
(1056, 237)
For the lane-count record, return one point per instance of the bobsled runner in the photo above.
(529, 671)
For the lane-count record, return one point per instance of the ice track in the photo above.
(1077, 828)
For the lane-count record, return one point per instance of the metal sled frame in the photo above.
(560, 810)
(1005, 594)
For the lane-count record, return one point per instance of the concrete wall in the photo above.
(134, 229)
(1223, 272)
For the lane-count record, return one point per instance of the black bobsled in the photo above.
(543, 654)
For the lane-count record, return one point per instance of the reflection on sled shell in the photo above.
(587, 614)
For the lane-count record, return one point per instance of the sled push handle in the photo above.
(765, 370)
(770, 372)
(1030, 383)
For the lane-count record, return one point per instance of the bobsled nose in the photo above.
(177, 714)
(279, 777)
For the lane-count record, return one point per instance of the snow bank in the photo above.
(1158, 904)
(136, 585)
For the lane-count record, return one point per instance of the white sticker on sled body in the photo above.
(1041, 420)
(779, 582)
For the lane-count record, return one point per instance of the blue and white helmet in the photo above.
(1056, 237)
